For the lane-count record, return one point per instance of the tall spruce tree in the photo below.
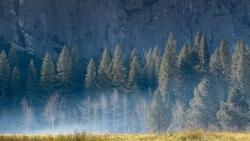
(159, 113)
(186, 85)
(151, 68)
(118, 71)
(90, 79)
(204, 57)
(204, 106)
(64, 70)
(216, 73)
(197, 42)
(135, 73)
(146, 71)
(15, 87)
(47, 79)
(156, 63)
(235, 112)
(78, 70)
(104, 72)
(31, 85)
(4, 77)
(225, 58)
(169, 73)
(240, 67)
(13, 58)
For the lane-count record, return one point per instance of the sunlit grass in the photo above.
(187, 136)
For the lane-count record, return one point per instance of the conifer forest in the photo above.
(126, 93)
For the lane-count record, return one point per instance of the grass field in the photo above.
(187, 136)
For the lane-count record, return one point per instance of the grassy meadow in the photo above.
(187, 136)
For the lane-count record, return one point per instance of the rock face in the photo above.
(91, 25)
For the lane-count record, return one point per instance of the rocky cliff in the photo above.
(91, 25)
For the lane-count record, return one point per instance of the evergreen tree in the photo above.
(204, 57)
(13, 58)
(240, 67)
(156, 63)
(169, 73)
(31, 85)
(90, 79)
(15, 87)
(104, 72)
(215, 68)
(235, 112)
(146, 71)
(225, 58)
(118, 71)
(4, 76)
(64, 70)
(197, 41)
(203, 106)
(151, 68)
(186, 78)
(135, 72)
(47, 74)
(78, 70)
(158, 116)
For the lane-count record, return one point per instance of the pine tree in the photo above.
(151, 68)
(13, 58)
(90, 79)
(197, 41)
(135, 73)
(203, 106)
(204, 57)
(225, 58)
(47, 74)
(78, 70)
(15, 87)
(64, 70)
(158, 116)
(156, 64)
(104, 72)
(146, 71)
(118, 70)
(235, 112)
(215, 68)
(240, 67)
(4, 76)
(186, 78)
(169, 73)
(31, 85)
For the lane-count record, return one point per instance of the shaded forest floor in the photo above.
(187, 136)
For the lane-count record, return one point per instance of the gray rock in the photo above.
(91, 25)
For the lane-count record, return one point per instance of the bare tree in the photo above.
(28, 118)
(51, 109)
(73, 118)
(115, 106)
(103, 106)
(95, 107)
(133, 120)
(125, 112)
(62, 113)
(141, 110)
(5, 115)
(179, 121)
(85, 108)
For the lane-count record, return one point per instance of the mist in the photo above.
(74, 117)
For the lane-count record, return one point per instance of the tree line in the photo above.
(132, 94)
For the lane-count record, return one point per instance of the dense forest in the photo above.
(127, 93)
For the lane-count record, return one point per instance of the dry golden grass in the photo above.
(178, 136)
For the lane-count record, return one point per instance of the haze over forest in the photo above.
(124, 66)
(127, 94)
